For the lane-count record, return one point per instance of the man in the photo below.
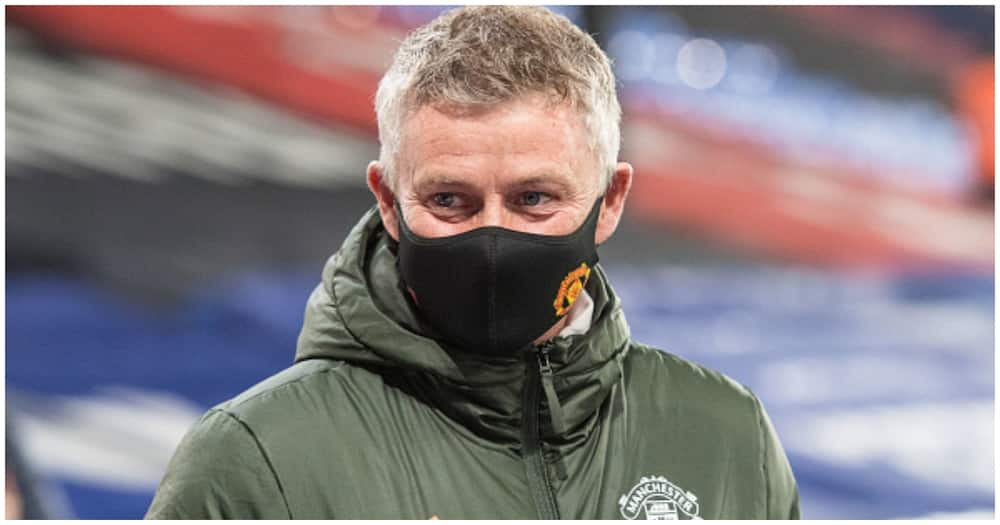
(464, 356)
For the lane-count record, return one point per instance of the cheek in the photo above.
(566, 225)
(425, 224)
(562, 222)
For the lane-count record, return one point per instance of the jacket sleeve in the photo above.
(782, 491)
(219, 470)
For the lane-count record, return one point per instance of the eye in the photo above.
(532, 198)
(444, 200)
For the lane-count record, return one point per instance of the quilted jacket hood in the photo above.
(359, 314)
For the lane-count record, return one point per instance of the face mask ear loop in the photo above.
(596, 211)
(403, 228)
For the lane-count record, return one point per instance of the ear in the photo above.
(385, 198)
(614, 202)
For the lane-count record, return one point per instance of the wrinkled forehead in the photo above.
(525, 138)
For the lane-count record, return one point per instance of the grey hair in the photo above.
(480, 56)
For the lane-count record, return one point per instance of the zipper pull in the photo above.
(555, 408)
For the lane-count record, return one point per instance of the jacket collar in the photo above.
(359, 314)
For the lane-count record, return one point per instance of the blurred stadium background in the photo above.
(812, 214)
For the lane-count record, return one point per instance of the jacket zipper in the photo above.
(539, 381)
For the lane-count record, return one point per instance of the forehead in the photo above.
(520, 139)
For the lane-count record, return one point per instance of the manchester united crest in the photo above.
(657, 498)
(570, 289)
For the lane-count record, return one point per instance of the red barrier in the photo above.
(299, 57)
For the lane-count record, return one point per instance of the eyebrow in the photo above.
(439, 181)
(541, 180)
(447, 181)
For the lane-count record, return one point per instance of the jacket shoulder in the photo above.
(714, 402)
(224, 466)
(219, 471)
(245, 458)
(685, 379)
(292, 398)
(296, 377)
(673, 385)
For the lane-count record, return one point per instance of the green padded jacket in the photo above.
(375, 420)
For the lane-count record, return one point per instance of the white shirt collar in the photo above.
(580, 316)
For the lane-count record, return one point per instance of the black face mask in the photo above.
(492, 290)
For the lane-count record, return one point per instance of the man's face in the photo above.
(523, 165)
